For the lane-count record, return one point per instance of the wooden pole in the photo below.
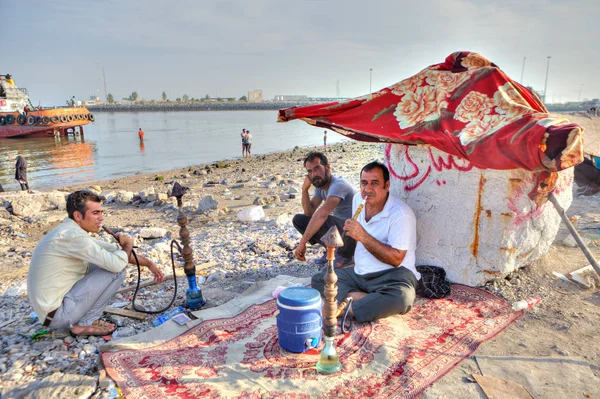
(574, 233)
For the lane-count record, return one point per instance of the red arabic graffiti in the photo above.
(439, 163)
(520, 215)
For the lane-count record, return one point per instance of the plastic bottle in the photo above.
(166, 316)
(527, 303)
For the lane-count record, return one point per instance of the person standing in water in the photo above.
(324, 138)
(21, 173)
(244, 142)
(141, 134)
(248, 143)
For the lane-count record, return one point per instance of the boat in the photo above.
(18, 117)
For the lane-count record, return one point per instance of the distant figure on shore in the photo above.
(249, 143)
(73, 276)
(141, 134)
(21, 173)
(244, 142)
(324, 138)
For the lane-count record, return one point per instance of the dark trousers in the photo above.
(389, 292)
(24, 186)
(300, 222)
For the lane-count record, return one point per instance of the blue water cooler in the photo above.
(299, 320)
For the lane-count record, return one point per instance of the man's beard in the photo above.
(320, 182)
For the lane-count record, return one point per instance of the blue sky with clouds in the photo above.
(57, 48)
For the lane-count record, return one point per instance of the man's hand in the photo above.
(354, 229)
(125, 240)
(300, 252)
(158, 275)
(307, 183)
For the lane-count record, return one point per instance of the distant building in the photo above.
(94, 100)
(281, 97)
(255, 96)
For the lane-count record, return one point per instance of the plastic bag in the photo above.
(251, 214)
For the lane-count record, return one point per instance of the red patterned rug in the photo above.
(239, 357)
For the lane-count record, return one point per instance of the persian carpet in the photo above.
(239, 357)
(465, 106)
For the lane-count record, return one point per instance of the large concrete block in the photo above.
(478, 224)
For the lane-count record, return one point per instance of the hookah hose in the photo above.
(343, 326)
(137, 262)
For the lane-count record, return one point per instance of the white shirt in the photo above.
(61, 259)
(396, 226)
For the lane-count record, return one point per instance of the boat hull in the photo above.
(42, 123)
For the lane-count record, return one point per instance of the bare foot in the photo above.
(97, 328)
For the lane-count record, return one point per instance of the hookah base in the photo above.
(193, 295)
(329, 365)
(194, 300)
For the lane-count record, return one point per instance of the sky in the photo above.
(57, 49)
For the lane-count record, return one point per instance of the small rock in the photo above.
(124, 332)
(216, 276)
(124, 197)
(153, 232)
(207, 203)
(569, 241)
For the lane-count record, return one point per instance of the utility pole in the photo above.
(523, 70)
(105, 91)
(546, 84)
(370, 79)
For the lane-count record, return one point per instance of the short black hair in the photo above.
(76, 201)
(377, 165)
(314, 154)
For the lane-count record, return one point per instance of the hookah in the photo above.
(329, 361)
(193, 295)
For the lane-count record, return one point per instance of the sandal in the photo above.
(98, 328)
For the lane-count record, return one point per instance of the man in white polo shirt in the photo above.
(382, 282)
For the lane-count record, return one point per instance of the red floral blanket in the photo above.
(240, 357)
(465, 106)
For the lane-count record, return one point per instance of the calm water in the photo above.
(110, 147)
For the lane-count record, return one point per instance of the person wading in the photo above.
(21, 173)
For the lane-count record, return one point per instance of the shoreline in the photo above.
(213, 165)
(200, 106)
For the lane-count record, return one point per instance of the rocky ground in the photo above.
(239, 253)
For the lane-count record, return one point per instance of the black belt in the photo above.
(49, 317)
